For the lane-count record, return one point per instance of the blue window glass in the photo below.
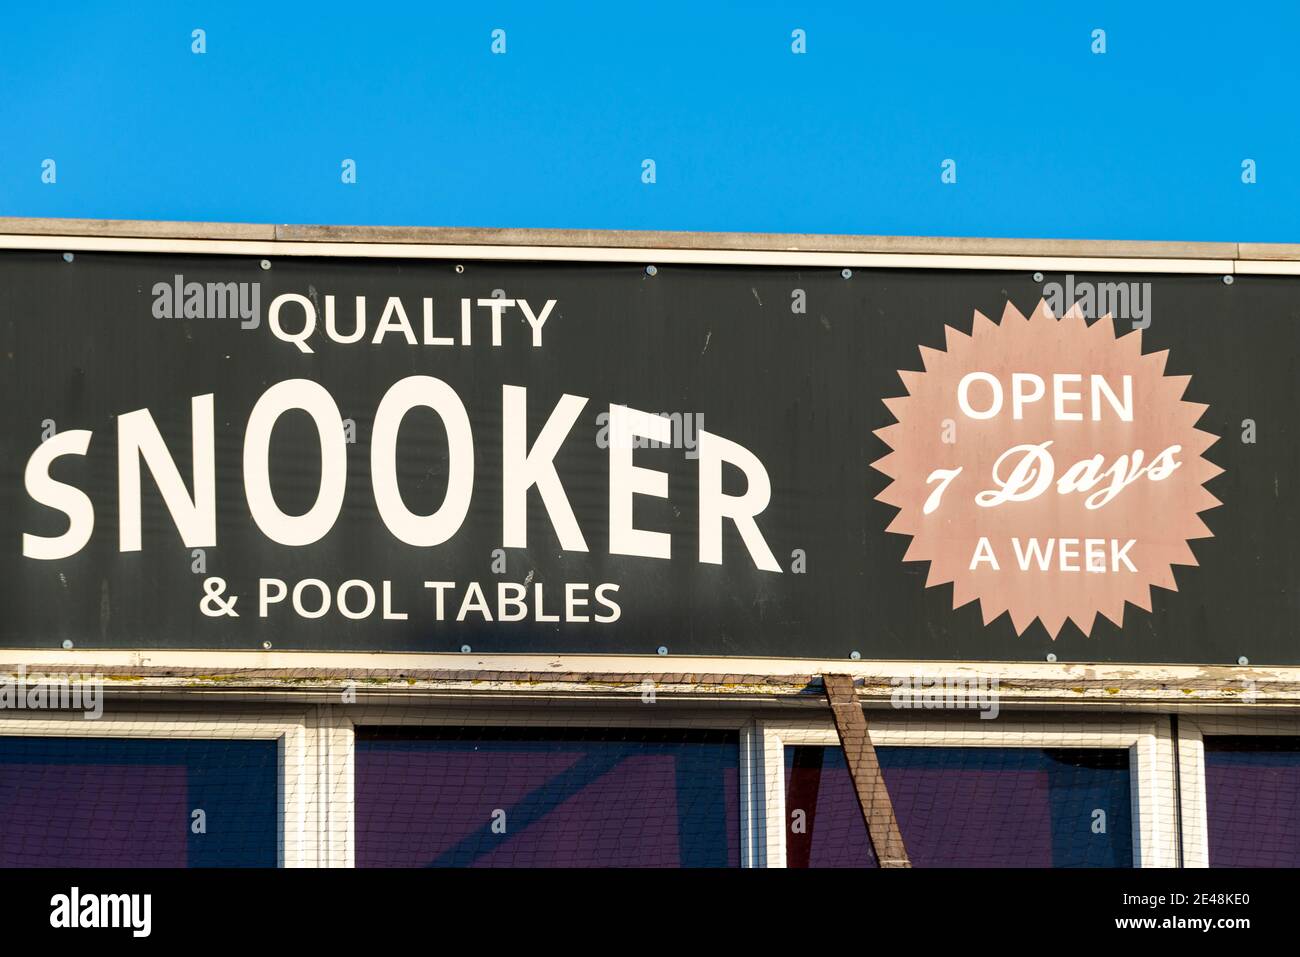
(967, 807)
(115, 802)
(514, 797)
(1252, 800)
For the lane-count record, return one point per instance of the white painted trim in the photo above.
(331, 813)
(1191, 794)
(775, 818)
(753, 828)
(294, 848)
(599, 254)
(1151, 766)
(1146, 737)
(1268, 267)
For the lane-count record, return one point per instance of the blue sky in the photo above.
(1145, 141)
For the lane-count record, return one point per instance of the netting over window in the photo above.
(137, 802)
(510, 797)
(967, 807)
(1252, 797)
(418, 785)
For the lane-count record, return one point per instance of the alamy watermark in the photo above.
(972, 692)
(76, 909)
(53, 692)
(1129, 301)
(681, 430)
(179, 299)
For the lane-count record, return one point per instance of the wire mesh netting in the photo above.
(504, 797)
(137, 802)
(1252, 800)
(699, 793)
(967, 807)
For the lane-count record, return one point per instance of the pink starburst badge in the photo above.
(1047, 469)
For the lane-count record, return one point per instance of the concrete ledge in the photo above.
(635, 239)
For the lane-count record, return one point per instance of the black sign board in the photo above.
(375, 455)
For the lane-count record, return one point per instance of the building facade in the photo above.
(358, 546)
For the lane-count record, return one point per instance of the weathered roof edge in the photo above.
(1215, 686)
(651, 239)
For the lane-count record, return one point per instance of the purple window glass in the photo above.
(967, 807)
(115, 802)
(519, 797)
(1252, 799)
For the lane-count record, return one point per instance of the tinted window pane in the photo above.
(477, 797)
(113, 802)
(1252, 796)
(967, 807)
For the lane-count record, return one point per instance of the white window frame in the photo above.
(297, 838)
(1191, 769)
(1146, 737)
